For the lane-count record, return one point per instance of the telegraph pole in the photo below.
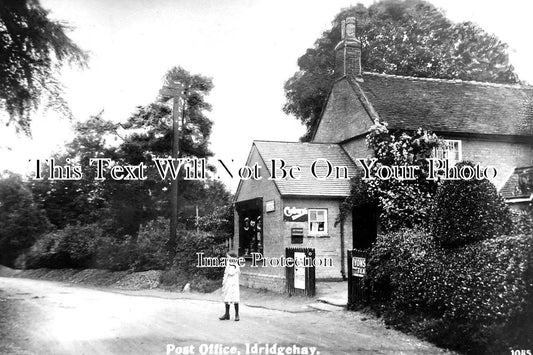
(174, 90)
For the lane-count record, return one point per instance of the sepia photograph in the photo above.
(254, 177)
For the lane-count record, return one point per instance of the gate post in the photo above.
(289, 272)
(356, 271)
(310, 277)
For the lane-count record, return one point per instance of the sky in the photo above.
(248, 47)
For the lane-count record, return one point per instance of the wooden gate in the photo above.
(301, 279)
(356, 271)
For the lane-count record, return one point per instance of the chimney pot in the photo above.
(348, 51)
(350, 28)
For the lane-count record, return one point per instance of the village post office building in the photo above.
(486, 123)
(273, 214)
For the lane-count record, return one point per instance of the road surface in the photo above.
(43, 317)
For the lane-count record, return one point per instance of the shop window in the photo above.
(318, 221)
(450, 150)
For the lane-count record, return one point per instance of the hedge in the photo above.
(152, 253)
(466, 211)
(476, 298)
(83, 246)
(71, 247)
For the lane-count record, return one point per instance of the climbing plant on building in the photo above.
(400, 203)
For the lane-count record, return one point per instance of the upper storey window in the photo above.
(449, 149)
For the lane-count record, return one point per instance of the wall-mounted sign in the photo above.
(299, 272)
(358, 266)
(270, 206)
(293, 214)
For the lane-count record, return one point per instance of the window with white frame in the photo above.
(449, 149)
(318, 221)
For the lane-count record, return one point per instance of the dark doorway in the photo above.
(250, 226)
(364, 226)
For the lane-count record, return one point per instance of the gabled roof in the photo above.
(303, 155)
(453, 106)
(512, 189)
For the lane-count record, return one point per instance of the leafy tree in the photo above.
(117, 210)
(33, 49)
(120, 207)
(155, 120)
(157, 137)
(69, 202)
(411, 38)
(21, 220)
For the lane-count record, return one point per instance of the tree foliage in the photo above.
(99, 222)
(120, 207)
(71, 247)
(148, 134)
(155, 120)
(21, 220)
(400, 37)
(33, 48)
(69, 202)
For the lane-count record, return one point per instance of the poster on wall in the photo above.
(295, 214)
(358, 266)
(270, 206)
(299, 272)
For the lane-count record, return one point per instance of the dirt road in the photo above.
(42, 317)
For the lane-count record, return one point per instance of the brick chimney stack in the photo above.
(348, 52)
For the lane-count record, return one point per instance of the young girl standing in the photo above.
(230, 285)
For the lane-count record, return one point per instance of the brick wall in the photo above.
(277, 233)
(325, 247)
(266, 189)
(348, 59)
(504, 156)
(259, 277)
(277, 237)
(270, 278)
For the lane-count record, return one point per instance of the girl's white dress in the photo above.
(230, 284)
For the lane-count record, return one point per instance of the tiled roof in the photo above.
(511, 189)
(450, 105)
(303, 155)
